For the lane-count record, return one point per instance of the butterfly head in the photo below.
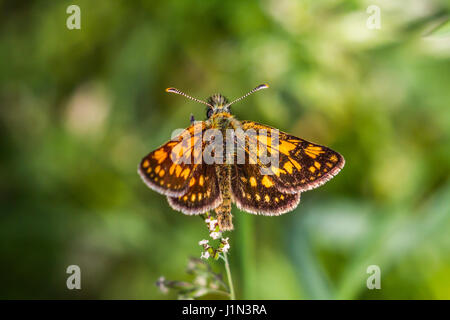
(217, 103)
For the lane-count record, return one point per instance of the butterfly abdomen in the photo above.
(223, 211)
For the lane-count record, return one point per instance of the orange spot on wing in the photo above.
(267, 182)
(288, 166)
(160, 155)
(178, 170)
(296, 164)
(277, 171)
(285, 147)
(185, 173)
(313, 151)
(310, 154)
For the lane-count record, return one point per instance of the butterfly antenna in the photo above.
(260, 87)
(173, 90)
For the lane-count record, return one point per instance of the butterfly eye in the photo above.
(209, 112)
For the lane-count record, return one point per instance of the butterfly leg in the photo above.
(223, 211)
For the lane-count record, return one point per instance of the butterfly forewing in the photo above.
(301, 165)
(169, 168)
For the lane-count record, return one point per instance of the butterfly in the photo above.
(221, 160)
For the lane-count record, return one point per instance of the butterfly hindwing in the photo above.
(203, 192)
(301, 166)
(257, 193)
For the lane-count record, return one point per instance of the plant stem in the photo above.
(246, 251)
(230, 280)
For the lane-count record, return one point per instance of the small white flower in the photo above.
(203, 242)
(225, 248)
(205, 255)
(212, 225)
(215, 235)
(226, 245)
(161, 284)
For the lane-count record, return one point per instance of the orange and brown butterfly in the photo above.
(193, 186)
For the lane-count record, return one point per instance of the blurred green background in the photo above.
(80, 108)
